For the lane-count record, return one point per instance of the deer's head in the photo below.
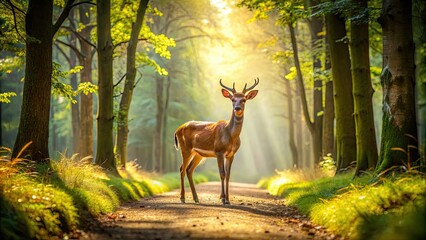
(239, 98)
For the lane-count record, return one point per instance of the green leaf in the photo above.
(4, 97)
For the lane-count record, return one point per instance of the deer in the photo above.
(221, 140)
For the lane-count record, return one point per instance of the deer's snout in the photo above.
(237, 108)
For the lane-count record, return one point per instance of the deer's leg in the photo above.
(228, 165)
(220, 162)
(186, 158)
(189, 171)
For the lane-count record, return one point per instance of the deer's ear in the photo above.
(226, 93)
(250, 95)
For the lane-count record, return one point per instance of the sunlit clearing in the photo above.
(222, 6)
(238, 58)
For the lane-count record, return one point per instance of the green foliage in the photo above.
(357, 209)
(49, 202)
(31, 209)
(65, 90)
(123, 14)
(349, 10)
(4, 97)
(289, 11)
(327, 163)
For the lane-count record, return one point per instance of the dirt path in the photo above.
(253, 214)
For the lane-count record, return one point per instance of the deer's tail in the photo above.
(176, 141)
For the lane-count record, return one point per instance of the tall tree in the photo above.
(126, 98)
(87, 51)
(34, 121)
(105, 147)
(366, 146)
(342, 84)
(75, 110)
(291, 124)
(328, 119)
(419, 25)
(316, 25)
(399, 130)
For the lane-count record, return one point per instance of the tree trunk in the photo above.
(86, 104)
(34, 121)
(126, 99)
(164, 131)
(291, 123)
(399, 130)
(158, 135)
(316, 28)
(343, 99)
(419, 25)
(298, 130)
(105, 147)
(328, 120)
(1, 116)
(75, 111)
(366, 146)
(300, 84)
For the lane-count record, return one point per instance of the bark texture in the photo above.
(126, 99)
(75, 108)
(328, 120)
(316, 28)
(105, 147)
(158, 136)
(399, 133)
(86, 101)
(291, 124)
(34, 120)
(343, 99)
(301, 87)
(366, 146)
(419, 25)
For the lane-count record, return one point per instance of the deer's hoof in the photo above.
(196, 201)
(182, 200)
(226, 202)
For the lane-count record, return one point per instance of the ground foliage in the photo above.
(390, 208)
(54, 199)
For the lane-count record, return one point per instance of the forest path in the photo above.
(253, 214)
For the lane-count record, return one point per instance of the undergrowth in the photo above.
(391, 208)
(53, 199)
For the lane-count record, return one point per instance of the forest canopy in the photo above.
(322, 65)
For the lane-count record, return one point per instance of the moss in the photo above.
(359, 210)
(51, 202)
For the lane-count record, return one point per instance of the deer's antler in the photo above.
(228, 88)
(256, 81)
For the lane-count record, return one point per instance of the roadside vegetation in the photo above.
(54, 200)
(389, 208)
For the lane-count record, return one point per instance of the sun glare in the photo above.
(222, 6)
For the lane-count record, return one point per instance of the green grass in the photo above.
(52, 200)
(393, 208)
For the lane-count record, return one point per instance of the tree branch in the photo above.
(124, 42)
(119, 81)
(300, 83)
(191, 37)
(13, 7)
(80, 37)
(80, 55)
(68, 6)
(63, 53)
(62, 17)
